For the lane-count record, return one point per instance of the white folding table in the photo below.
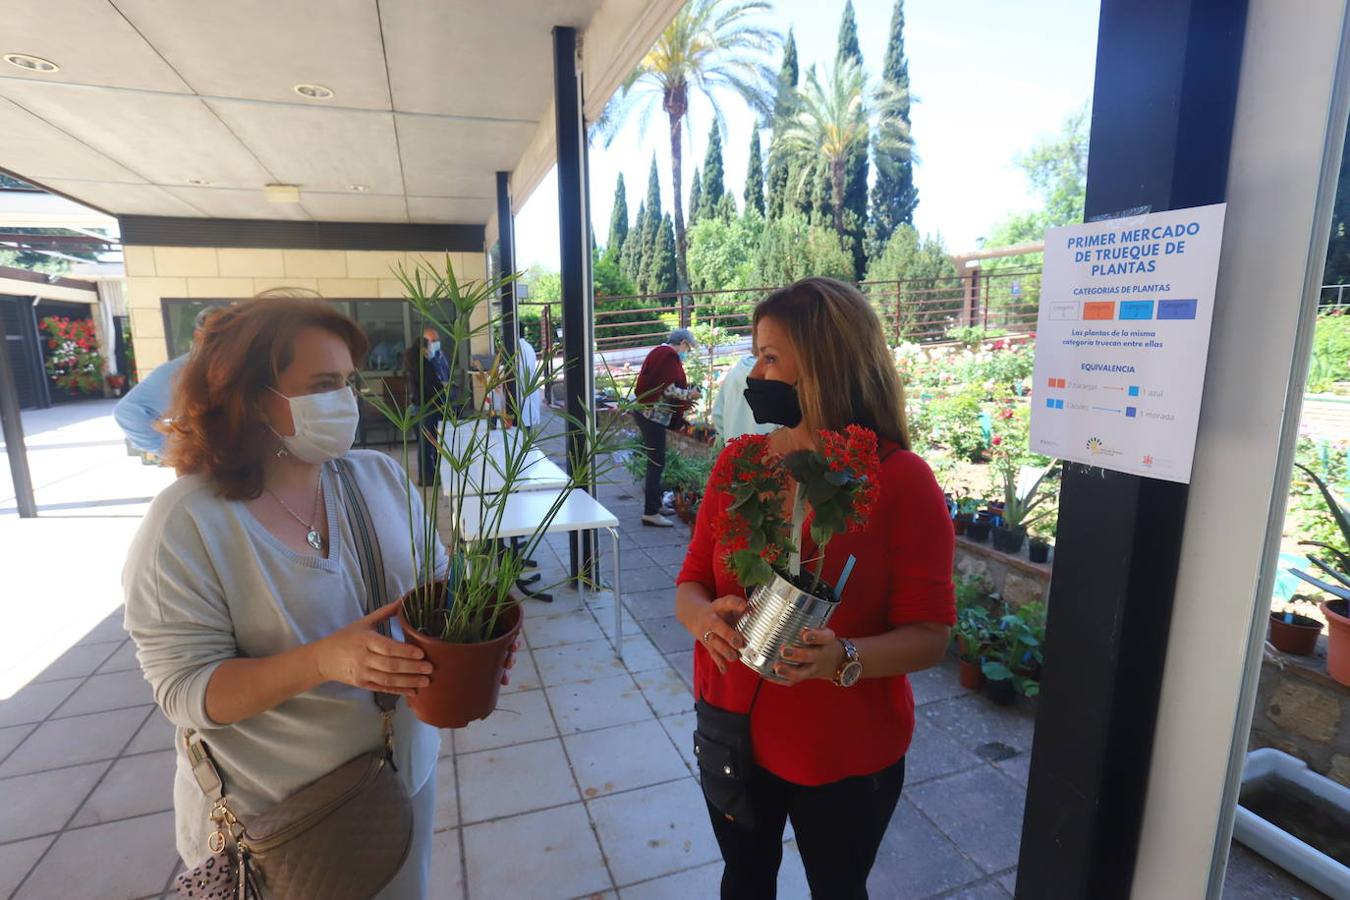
(521, 517)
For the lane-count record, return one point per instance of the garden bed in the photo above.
(1016, 578)
(1301, 710)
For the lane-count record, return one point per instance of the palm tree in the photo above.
(710, 45)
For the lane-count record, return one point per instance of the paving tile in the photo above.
(566, 628)
(447, 867)
(518, 718)
(1250, 877)
(513, 780)
(1009, 881)
(35, 702)
(650, 578)
(67, 742)
(1018, 768)
(134, 786)
(17, 859)
(647, 537)
(938, 683)
(640, 654)
(115, 690)
(44, 802)
(110, 629)
(916, 859)
(934, 753)
(649, 604)
(157, 733)
(578, 662)
(668, 634)
(545, 854)
(12, 737)
(447, 796)
(980, 810)
(974, 721)
(143, 854)
(78, 661)
(987, 890)
(670, 555)
(605, 616)
(665, 690)
(590, 705)
(524, 675)
(681, 731)
(123, 660)
(623, 757)
(654, 831)
(684, 665)
(702, 881)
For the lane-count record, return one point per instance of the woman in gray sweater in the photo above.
(244, 594)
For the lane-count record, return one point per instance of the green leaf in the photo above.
(757, 542)
(838, 479)
(996, 671)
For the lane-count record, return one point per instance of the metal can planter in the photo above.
(774, 618)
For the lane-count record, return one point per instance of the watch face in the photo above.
(852, 672)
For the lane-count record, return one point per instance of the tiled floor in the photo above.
(581, 784)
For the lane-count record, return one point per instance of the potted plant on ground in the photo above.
(1293, 633)
(762, 547)
(1336, 610)
(973, 630)
(1012, 661)
(1041, 535)
(1019, 483)
(464, 617)
(966, 507)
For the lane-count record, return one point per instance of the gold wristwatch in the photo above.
(850, 670)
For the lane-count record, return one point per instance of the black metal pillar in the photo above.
(506, 260)
(12, 423)
(575, 263)
(1162, 126)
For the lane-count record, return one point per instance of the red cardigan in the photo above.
(662, 369)
(816, 733)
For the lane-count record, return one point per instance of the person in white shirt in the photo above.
(527, 367)
(731, 415)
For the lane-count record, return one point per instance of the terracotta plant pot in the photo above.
(466, 678)
(1338, 641)
(1298, 637)
(972, 679)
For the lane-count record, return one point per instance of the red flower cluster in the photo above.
(854, 450)
(72, 360)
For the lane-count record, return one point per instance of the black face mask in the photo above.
(773, 402)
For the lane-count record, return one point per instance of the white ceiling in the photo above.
(432, 98)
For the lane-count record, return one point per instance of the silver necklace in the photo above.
(312, 536)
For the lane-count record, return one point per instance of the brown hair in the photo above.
(846, 374)
(217, 427)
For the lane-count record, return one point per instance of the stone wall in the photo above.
(1301, 710)
(1017, 578)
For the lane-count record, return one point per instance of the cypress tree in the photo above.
(713, 186)
(652, 227)
(630, 260)
(618, 221)
(855, 179)
(662, 278)
(754, 176)
(894, 195)
(784, 106)
(695, 196)
(726, 208)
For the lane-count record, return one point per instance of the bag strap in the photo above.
(368, 556)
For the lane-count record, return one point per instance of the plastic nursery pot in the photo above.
(962, 522)
(1338, 640)
(978, 531)
(1298, 637)
(972, 679)
(1038, 551)
(1001, 691)
(466, 678)
(1009, 540)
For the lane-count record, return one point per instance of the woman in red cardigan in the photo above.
(829, 746)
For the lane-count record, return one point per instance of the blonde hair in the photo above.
(846, 374)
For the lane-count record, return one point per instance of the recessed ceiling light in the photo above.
(358, 188)
(314, 91)
(282, 193)
(31, 63)
(199, 182)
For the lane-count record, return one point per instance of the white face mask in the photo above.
(434, 347)
(325, 424)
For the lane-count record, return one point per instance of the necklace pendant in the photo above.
(314, 539)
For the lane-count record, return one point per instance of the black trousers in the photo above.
(654, 444)
(427, 457)
(839, 827)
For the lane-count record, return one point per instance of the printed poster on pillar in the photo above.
(1122, 340)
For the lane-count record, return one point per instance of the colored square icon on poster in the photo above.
(1129, 412)
(1134, 390)
(1049, 404)
(1059, 404)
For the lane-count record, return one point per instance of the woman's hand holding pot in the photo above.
(362, 657)
(817, 655)
(714, 629)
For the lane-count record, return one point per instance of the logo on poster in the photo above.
(1148, 460)
(1095, 446)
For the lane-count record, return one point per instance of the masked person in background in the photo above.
(427, 370)
(245, 593)
(663, 395)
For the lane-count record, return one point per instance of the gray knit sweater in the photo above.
(206, 582)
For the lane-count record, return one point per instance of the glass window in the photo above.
(384, 324)
(180, 319)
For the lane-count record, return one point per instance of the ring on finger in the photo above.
(707, 636)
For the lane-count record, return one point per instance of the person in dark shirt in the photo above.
(664, 395)
(426, 384)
